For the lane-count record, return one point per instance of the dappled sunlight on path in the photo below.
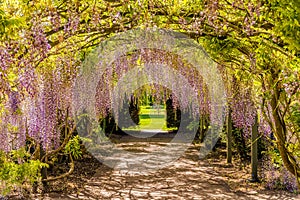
(185, 178)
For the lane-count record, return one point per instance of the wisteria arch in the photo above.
(99, 65)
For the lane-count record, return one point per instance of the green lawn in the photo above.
(151, 119)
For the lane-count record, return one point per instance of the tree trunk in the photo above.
(201, 134)
(280, 133)
(280, 130)
(229, 137)
(44, 171)
(254, 159)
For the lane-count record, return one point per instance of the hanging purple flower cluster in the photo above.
(243, 110)
(5, 58)
(73, 23)
(55, 19)
(292, 87)
(123, 64)
(9, 52)
(39, 42)
(41, 111)
(264, 127)
(5, 62)
(20, 58)
(12, 126)
(252, 18)
(14, 101)
(36, 116)
(28, 81)
(214, 12)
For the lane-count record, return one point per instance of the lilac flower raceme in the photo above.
(243, 110)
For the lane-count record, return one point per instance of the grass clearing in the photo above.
(151, 118)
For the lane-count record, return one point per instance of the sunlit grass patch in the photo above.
(151, 119)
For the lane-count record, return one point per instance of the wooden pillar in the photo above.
(44, 171)
(254, 159)
(229, 137)
(201, 134)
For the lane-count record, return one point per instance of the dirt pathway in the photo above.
(185, 178)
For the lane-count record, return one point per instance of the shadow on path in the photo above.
(185, 178)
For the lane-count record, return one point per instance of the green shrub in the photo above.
(17, 171)
(73, 147)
